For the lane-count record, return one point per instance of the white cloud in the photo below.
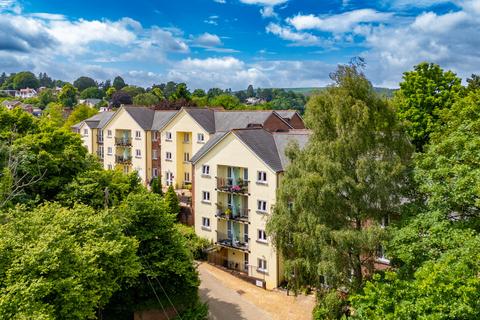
(268, 12)
(220, 1)
(208, 40)
(264, 2)
(298, 38)
(339, 23)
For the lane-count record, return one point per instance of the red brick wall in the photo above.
(297, 122)
(156, 163)
(275, 123)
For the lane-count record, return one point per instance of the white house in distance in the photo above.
(26, 93)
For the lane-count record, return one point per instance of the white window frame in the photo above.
(262, 206)
(155, 172)
(186, 177)
(168, 136)
(109, 133)
(200, 138)
(261, 236)
(168, 178)
(138, 135)
(125, 169)
(262, 265)
(85, 132)
(168, 156)
(155, 154)
(186, 137)
(109, 151)
(206, 223)
(138, 153)
(186, 157)
(206, 197)
(155, 135)
(109, 166)
(262, 177)
(206, 170)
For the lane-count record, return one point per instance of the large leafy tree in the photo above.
(167, 265)
(118, 83)
(99, 188)
(119, 98)
(424, 93)
(79, 113)
(15, 123)
(68, 96)
(83, 83)
(146, 99)
(92, 93)
(350, 175)
(24, 80)
(60, 263)
(45, 97)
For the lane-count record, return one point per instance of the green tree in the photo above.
(159, 93)
(424, 93)
(15, 123)
(181, 92)
(473, 83)
(99, 188)
(79, 113)
(52, 116)
(133, 90)
(226, 101)
(118, 83)
(250, 92)
(60, 263)
(68, 96)
(24, 80)
(156, 186)
(167, 265)
(83, 83)
(110, 92)
(146, 99)
(199, 93)
(337, 189)
(172, 204)
(92, 93)
(45, 97)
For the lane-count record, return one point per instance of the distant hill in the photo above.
(308, 91)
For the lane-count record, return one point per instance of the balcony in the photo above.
(99, 139)
(230, 212)
(100, 154)
(123, 159)
(229, 185)
(123, 142)
(232, 241)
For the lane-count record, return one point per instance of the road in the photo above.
(225, 303)
(231, 298)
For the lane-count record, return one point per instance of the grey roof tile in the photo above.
(228, 120)
(142, 115)
(283, 139)
(161, 117)
(204, 116)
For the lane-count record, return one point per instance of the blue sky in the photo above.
(233, 43)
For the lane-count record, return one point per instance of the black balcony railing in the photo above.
(232, 213)
(123, 159)
(232, 241)
(99, 139)
(124, 142)
(100, 154)
(230, 185)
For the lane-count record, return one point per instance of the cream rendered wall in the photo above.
(123, 121)
(87, 139)
(182, 122)
(232, 152)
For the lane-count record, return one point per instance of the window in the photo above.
(206, 170)
(262, 265)
(262, 206)
(245, 174)
(168, 136)
(205, 196)
(100, 136)
(168, 178)
(125, 169)
(381, 257)
(187, 176)
(155, 172)
(385, 222)
(200, 138)
(261, 177)
(155, 154)
(186, 137)
(110, 167)
(168, 156)
(109, 151)
(245, 233)
(138, 135)
(262, 236)
(205, 223)
(109, 133)
(138, 153)
(85, 132)
(155, 135)
(186, 156)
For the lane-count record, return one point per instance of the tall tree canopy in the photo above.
(68, 96)
(79, 113)
(62, 263)
(119, 98)
(350, 175)
(24, 80)
(118, 83)
(83, 83)
(424, 93)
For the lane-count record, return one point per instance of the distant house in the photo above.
(11, 104)
(90, 102)
(254, 101)
(8, 92)
(26, 93)
(37, 112)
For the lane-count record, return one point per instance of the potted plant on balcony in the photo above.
(236, 188)
(228, 212)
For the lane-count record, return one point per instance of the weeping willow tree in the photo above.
(335, 192)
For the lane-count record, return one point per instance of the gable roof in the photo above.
(228, 120)
(269, 147)
(204, 117)
(287, 114)
(161, 117)
(97, 121)
(142, 115)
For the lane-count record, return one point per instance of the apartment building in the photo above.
(91, 132)
(191, 128)
(236, 175)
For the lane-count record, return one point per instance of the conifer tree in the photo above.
(172, 203)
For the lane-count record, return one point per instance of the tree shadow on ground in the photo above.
(219, 309)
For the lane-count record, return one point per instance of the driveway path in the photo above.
(230, 298)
